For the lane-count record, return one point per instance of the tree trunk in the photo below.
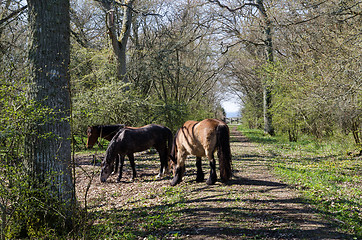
(47, 145)
(119, 43)
(267, 89)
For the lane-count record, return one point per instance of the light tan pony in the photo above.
(202, 139)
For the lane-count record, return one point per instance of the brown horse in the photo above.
(129, 140)
(202, 139)
(103, 131)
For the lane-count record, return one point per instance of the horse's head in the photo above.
(92, 134)
(107, 168)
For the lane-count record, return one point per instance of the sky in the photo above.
(231, 107)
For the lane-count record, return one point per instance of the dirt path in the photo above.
(255, 205)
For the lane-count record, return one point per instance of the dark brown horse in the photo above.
(106, 132)
(128, 141)
(101, 131)
(202, 139)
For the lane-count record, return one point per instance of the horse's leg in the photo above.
(121, 158)
(116, 165)
(131, 160)
(163, 158)
(180, 168)
(212, 179)
(166, 167)
(200, 173)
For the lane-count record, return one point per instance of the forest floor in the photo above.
(256, 204)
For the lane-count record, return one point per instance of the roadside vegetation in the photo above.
(325, 171)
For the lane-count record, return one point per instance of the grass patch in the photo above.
(322, 171)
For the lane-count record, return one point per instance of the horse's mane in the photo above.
(120, 131)
(112, 145)
(108, 131)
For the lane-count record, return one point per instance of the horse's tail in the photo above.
(174, 148)
(224, 152)
(169, 143)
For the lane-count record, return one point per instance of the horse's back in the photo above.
(159, 132)
(143, 138)
(206, 129)
(199, 138)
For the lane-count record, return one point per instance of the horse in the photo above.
(202, 139)
(107, 132)
(104, 131)
(130, 140)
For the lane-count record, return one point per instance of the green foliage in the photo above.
(31, 211)
(99, 98)
(315, 75)
(252, 115)
(256, 135)
(305, 101)
(28, 208)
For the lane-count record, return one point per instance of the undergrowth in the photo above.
(327, 177)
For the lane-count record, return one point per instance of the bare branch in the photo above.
(13, 14)
(135, 10)
(238, 42)
(233, 9)
(298, 22)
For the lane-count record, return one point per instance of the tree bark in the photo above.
(267, 88)
(47, 145)
(119, 41)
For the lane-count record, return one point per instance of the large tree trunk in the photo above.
(47, 145)
(267, 95)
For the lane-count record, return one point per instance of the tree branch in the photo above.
(298, 22)
(13, 14)
(136, 11)
(233, 9)
(240, 41)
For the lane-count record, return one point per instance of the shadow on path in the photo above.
(254, 205)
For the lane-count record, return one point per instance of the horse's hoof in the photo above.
(199, 179)
(210, 182)
(175, 181)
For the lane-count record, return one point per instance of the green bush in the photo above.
(28, 207)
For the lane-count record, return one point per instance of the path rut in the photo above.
(255, 205)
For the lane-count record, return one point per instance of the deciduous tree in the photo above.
(48, 151)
